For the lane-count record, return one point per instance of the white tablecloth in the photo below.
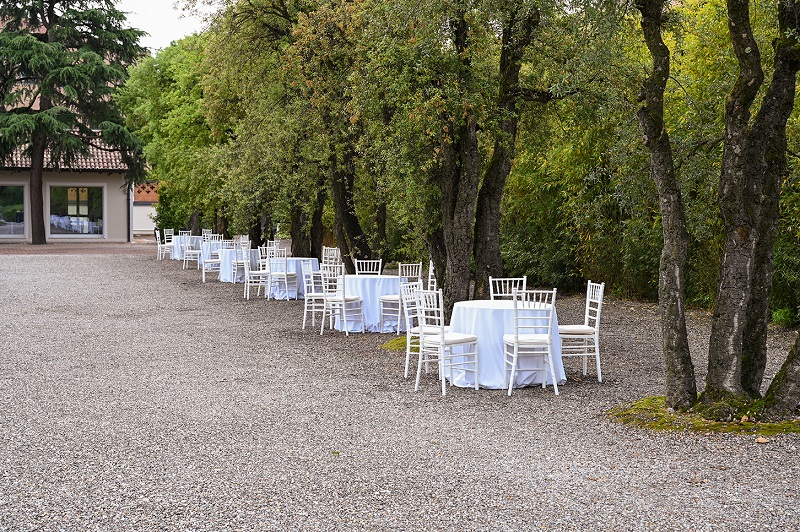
(226, 257)
(178, 241)
(370, 288)
(489, 321)
(294, 264)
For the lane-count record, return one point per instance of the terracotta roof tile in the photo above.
(97, 159)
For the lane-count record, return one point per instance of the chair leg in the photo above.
(514, 357)
(552, 370)
(408, 355)
(597, 358)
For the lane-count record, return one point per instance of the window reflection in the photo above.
(76, 210)
(12, 210)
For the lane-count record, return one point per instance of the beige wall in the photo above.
(143, 224)
(116, 203)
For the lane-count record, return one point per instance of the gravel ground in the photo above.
(133, 397)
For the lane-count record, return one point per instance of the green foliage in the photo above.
(60, 63)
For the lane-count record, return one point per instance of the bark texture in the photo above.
(783, 396)
(681, 389)
(38, 234)
(350, 236)
(517, 30)
(753, 166)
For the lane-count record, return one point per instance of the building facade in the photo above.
(89, 201)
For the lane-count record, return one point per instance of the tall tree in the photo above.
(753, 165)
(60, 62)
(681, 390)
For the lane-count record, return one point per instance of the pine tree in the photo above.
(60, 63)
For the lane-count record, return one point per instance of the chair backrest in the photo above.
(331, 255)
(368, 266)
(264, 254)
(334, 285)
(206, 231)
(226, 244)
(278, 264)
(408, 298)
(241, 255)
(184, 233)
(206, 237)
(533, 312)
(502, 287)
(594, 304)
(215, 237)
(409, 272)
(168, 234)
(430, 311)
(431, 277)
(332, 270)
(242, 243)
(312, 279)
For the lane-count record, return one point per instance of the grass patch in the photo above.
(650, 413)
(398, 344)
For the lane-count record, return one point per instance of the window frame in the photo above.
(26, 203)
(68, 236)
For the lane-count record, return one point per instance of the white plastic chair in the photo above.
(584, 340)
(189, 252)
(533, 334)
(408, 297)
(331, 255)
(391, 307)
(368, 266)
(438, 347)
(184, 233)
(213, 262)
(163, 248)
(503, 287)
(259, 279)
(431, 277)
(241, 255)
(314, 289)
(280, 276)
(337, 302)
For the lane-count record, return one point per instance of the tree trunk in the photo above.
(681, 388)
(753, 166)
(488, 261)
(349, 235)
(459, 192)
(301, 242)
(317, 227)
(38, 233)
(783, 396)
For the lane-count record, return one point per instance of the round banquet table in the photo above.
(370, 287)
(178, 241)
(226, 265)
(295, 264)
(489, 321)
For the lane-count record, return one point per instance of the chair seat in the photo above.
(212, 261)
(527, 339)
(390, 298)
(340, 299)
(315, 295)
(429, 329)
(450, 338)
(577, 330)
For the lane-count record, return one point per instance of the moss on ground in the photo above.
(397, 344)
(651, 413)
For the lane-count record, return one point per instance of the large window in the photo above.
(12, 210)
(76, 210)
